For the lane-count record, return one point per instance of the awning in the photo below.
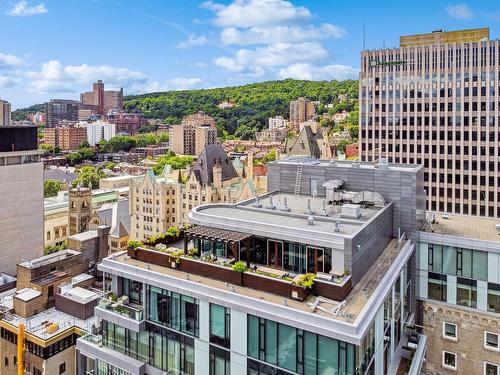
(216, 234)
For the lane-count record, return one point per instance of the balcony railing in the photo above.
(120, 306)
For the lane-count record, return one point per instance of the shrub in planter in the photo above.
(173, 232)
(134, 244)
(306, 280)
(177, 255)
(239, 267)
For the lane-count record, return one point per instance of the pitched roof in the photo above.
(211, 155)
(59, 175)
(305, 143)
(116, 215)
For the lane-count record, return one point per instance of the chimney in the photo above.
(250, 165)
(217, 173)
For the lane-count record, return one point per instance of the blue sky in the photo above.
(56, 49)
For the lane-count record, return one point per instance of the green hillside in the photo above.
(255, 103)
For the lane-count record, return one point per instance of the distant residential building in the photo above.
(102, 101)
(226, 104)
(98, 130)
(121, 157)
(129, 123)
(301, 110)
(57, 110)
(67, 137)
(37, 118)
(277, 122)
(194, 133)
(152, 150)
(21, 196)
(272, 135)
(340, 116)
(5, 117)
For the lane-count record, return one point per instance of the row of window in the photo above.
(466, 291)
(296, 350)
(457, 261)
(450, 362)
(491, 342)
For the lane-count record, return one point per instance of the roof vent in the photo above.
(310, 220)
(352, 211)
(383, 163)
(323, 211)
(285, 205)
(257, 202)
(271, 203)
(337, 226)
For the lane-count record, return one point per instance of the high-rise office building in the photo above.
(60, 109)
(301, 110)
(21, 196)
(4, 113)
(434, 101)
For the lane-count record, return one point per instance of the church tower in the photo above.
(80, 209)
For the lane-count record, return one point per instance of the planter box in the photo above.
(276, 286)
(152, 256)
(213, 271)
(337, 292)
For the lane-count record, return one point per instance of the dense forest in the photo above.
(254, 103)
(22, 113)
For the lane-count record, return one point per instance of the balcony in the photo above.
(91, 346)
(119, 311)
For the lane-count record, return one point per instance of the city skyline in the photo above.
(200, 44)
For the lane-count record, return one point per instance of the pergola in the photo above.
(231, 238)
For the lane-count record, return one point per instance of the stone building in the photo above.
(301, 110)
(80, 209)
(159, 202)
(310, 142)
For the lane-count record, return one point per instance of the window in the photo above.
(449, 360)
(436, 287)
(220, 362)
(449, 331)
(220, 325)
(494, 297)
(491, 369)
(466, 292)
(62, 368)
(491, 340)
(6, 362)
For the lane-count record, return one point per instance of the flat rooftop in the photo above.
(37, 325)
(48, 259)
(250, 214)
(305, 160)
(84, 236)
(354, 303)
(474, 227)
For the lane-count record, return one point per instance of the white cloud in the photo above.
(279, 54)
(279, 34)
(8, 81)
(22, 9)
(459, 12)
(10, 60)
(183, 83)
(250, 13)
(55, 77)
(193, 41)
(327, 72)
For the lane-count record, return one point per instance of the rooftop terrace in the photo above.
(345, 311)
(464, 226)
(48, 259)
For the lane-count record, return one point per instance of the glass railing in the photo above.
(94, 339)
(123, 309)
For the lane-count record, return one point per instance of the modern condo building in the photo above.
(435, 101)
(352, 225)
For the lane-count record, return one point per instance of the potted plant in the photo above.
(240, 267)
(132, 246)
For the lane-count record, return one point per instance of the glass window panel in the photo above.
(253, 336)
(271, 341)
(287, 353)
(327, 356)
(310, 353)
(449, 260)
(480, 265)
(158, 352)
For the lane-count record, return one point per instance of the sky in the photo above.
(57, 48)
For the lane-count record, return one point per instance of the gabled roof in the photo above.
(210, 156)
(305, 143)
(115, 215)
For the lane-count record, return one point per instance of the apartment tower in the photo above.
(4, 112)
(301, 110)
(434, 101)
(194, 133)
